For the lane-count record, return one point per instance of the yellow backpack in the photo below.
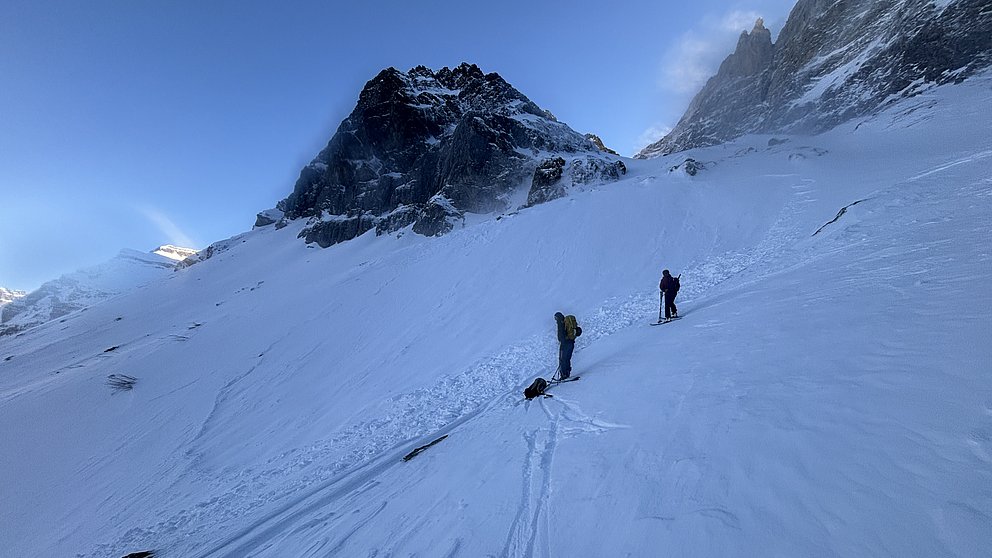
(572, 329)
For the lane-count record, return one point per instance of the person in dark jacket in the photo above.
(565, 348)
(669, 288)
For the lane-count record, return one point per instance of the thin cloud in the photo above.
(696, 55)
(168, 227)
(688, 67)
(738, 20)
(654, 133)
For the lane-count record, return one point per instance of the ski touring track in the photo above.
(528, 535)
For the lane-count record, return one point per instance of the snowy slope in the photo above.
(77, 290)
(823, 394)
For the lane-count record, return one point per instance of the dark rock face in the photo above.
(401, 217)
(439, 217)
(546, 184)
(423, 148)
(338, 229)
(834, 61)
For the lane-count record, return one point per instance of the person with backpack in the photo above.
(568, 330)
(669, 288)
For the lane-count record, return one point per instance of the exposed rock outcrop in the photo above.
(689, 167)
(554, 176)
(547, 184)
(268, 217)
(599, 144)
(834, 61)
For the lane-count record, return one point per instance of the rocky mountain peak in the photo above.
(462, 76)
(422, 148)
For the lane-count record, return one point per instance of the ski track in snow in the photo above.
(522, 536)
(333, 474)
(529, 532)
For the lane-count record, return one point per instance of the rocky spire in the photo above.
(753, 54)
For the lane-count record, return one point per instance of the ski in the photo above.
(417, 451)
(666, 321)
(569, 379)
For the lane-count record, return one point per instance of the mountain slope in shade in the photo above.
(74, 291)
(834, 61)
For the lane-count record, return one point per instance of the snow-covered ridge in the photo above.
(10, 295)
(176, 253)
(825, 392)
(88, 286)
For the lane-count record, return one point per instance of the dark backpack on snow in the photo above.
(536, 388)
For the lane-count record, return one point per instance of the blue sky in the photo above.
(134, 124)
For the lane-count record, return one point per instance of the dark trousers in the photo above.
(668, 302)
(565, 358)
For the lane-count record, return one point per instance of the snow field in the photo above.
(822, 395)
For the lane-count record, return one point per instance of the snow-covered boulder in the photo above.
(268, 217)
(689, 167)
